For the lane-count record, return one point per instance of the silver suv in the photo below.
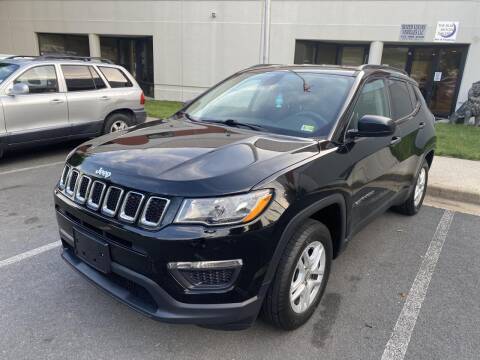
(51, 98)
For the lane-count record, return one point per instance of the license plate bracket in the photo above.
(92, 251)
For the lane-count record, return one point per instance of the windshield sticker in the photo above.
(279, 101)
(308, 128)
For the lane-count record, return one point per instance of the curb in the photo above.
(453, 194)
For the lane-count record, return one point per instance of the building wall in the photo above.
(192, 50)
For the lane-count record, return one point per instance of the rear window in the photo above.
(6, 70)
(400, 99)
(115, 77)
(81, 78)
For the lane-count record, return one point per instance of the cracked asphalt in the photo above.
(47, 311)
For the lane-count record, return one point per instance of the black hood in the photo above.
(183, 158)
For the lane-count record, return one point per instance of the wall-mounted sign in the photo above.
(446, 31)
(437, 76)
(412, 32)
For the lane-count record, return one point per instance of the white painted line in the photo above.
(28, 254)
(31, 168)
(397, 346)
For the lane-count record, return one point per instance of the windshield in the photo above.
(6, 70)
(282, 101)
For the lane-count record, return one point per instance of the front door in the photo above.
(42, 113)
(374, 163)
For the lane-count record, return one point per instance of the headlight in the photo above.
(224, 210)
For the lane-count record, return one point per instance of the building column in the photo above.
(94, 44)
(375, 54)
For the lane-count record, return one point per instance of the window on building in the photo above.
(352, 56)
(78, 77)
(372, 101)
(40, 79)
(395, 56)
(115, 77)
(76, 45)
(401, 102)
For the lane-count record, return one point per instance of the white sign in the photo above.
(412, 32)
(437, 76)
(446, 31)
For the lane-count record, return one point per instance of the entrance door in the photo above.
(437, 70)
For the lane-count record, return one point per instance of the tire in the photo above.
(411, 206)
(116, 119)
(278, 308)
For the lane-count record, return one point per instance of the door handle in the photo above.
(56, 101)
(104, 97)
(395, 140)
(421, 125)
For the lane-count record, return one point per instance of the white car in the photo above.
(51, 98)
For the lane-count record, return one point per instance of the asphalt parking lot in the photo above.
(405, 288)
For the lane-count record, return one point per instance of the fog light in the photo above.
(206, 275)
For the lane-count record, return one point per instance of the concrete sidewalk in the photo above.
(455, 182)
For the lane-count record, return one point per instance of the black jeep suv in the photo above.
(238, 203)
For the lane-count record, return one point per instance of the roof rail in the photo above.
(21, 57)
(261, 65)
(73, 57)
(383, 67)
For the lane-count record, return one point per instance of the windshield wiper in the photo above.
(235, 123)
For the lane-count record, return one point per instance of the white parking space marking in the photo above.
(29, 254)
(397, 346)
(31, 168)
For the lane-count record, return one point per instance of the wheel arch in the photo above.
(322, 210)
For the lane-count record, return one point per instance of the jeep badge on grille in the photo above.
(106, 174)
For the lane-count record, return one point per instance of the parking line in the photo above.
(32, 168)
(397, 346)
(28, 254)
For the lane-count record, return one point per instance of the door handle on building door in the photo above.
(395, 140)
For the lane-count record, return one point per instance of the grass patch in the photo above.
(161, 109)
(458, 141)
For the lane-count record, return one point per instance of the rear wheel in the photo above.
(117, 122)
(301, 277)
(414, 202)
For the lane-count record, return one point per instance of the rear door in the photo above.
(370, 179)
(87, 96)
(42, 113)
(405, 109)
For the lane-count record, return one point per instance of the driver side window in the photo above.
(372, 101)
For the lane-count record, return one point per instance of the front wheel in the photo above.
(301, 277)
(414, 202)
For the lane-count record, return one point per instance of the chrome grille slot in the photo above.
(112, 201)
(72, 182)
(63, 179)
(153, 212)
(82, 189)
(131, 206)
(96, 194)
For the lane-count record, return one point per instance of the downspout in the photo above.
(266, 32)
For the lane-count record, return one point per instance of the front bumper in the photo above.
(138, 271)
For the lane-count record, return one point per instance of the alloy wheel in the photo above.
(307, 277)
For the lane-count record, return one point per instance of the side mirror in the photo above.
(373, 126)
(19, 89)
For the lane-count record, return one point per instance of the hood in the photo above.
(183, 158)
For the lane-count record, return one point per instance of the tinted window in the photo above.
(6, 70)
(372, 101)
(413, 96)
(40, 79)
(97, 80)
(78, 77)
(289, 102)
(115, 77)
(400, 99)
